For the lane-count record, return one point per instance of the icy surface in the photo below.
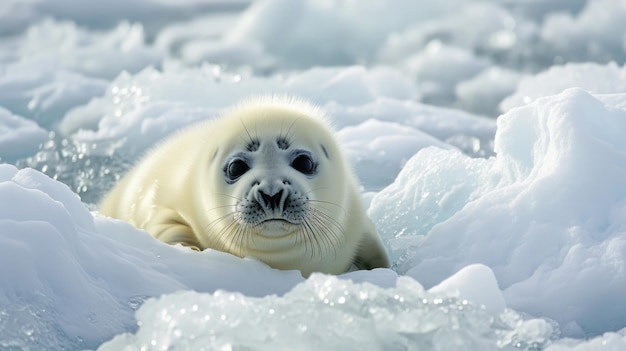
(80, 278)
(19, 137)
(546, 214)
(595, 78)
(527, 228)
(329, 313)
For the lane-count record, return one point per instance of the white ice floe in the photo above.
(546, 213)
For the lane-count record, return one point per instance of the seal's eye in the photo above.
(304, 164)
(236, 168)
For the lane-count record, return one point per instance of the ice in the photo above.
(493, 31)
(328, 313)
(439, 68)
(525, 232)
(19, 137)
(43, 91)
(308, 29)
(593, 34)
(608, 342)
(544, 213)
(81, 278)
(379, 149)
(17, 15)
(483, 93)
(139, 109)
(475, 283)
(593, 77)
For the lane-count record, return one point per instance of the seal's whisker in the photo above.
(228, 195)
(327, 236)
(327, 203)
(328, 219)
(220, 207)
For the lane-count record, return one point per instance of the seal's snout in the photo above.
(272, 197)
(274, 202)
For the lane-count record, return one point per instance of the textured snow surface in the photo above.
(505, 233)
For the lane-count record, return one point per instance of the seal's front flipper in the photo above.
(172, 230)
(371, 253)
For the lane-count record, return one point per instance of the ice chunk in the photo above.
(606, 342)
(102, 55)
(476, 283)
(328, 313)
(439, 68)
(80, 279)
(483, 93)
(44, 91)
(139, 109)
(494, 30)
(594, 34)
(544, 214)
(19, 137)
(379, 150)
(329, 33)
(593, 77)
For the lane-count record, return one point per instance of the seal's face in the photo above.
(281, 182)
(274, 175)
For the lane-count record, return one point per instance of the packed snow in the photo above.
(489, 138)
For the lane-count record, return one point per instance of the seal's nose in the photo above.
(272, 202)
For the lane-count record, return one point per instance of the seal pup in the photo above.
(266, 180)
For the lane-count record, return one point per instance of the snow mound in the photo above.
(328, 313)
(309, 29)
(139, 109)
(44, 91)
(95, 54)
(81, 278)
(596, 33)
(439, 68)
(484, 92)
(546, 214)
(593, 77)
(379, 149)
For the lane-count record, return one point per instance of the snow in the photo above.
(19, 137)
(593, 77)
(505, 233)
(543, 213)
(328, 313)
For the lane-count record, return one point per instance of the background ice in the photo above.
(19, 137)
(532, 220)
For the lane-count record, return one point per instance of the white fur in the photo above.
(178, 192)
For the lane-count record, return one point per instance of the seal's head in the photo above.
(280, 183)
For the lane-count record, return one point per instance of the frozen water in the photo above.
(439, 68)
(328, 313)
(593, 34)
(19, 137)
(43, 91)
(533, 220)
(593, 77)
(544, 213)
(379, 149)
(483, 93)
(76, 280)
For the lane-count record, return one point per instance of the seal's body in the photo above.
(266, 180)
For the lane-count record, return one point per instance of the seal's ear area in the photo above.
(371, 252)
